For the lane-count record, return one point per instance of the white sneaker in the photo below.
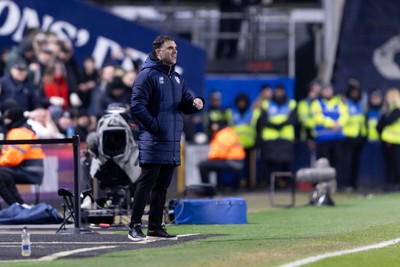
(26, 206)
(87, 203)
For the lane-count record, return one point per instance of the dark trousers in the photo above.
(153, 182)
(8, 189)
(350, 162)
(330, 150)
(248, 166)
(219, 166)
(391, 154)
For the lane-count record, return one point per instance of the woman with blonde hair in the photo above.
(389, 129)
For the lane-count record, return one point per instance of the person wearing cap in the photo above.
(330, 115)
(19, 163)
(355, 134)
(17, 86)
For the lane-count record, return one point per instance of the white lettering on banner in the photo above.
(47, 21)
(65, 30)
(17, 21)
(12, 20)
(384, 58)
(101, 49)
(105, 46)
(29, 19)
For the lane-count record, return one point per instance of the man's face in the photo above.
(19, 74)
(279, 93)
(167, 53)
(376, 100)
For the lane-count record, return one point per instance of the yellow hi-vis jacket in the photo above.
(391, 133)
(277, 115)
(244, 125)
(306, 118)
(355, 125)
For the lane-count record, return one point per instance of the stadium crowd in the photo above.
(62, 98)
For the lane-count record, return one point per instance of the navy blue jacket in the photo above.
(22, 92)
(159, 97)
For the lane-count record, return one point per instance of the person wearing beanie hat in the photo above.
(19, 163)
(14, 118)
(355, 135)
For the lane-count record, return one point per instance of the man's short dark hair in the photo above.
(158, 42)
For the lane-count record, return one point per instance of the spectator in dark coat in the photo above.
(159, 97)
(17, 86)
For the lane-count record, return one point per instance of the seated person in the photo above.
(41, 122)
(226, 154)
(22, 163)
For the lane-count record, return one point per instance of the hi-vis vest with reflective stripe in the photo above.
(326, 114)
(14, 155)
(355, 126)
(372, 122)
(277, 115)
(306, 117)
(391, 133)
(216, 115)
(244, 125)
(225, 145)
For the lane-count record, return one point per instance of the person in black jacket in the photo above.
(17, 86)
(389, 129)
(159, 97)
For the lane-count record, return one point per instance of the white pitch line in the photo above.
(339, 253)
(55, 256)
(146, 241)
(58, 255)
(2, 244)
(67, 253)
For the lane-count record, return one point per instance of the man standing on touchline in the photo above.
(159, 97)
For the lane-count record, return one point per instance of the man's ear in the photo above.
(158, 52)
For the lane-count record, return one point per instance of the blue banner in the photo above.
(94, 32)
(369, 45)
(231, 86)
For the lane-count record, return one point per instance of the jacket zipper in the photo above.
(174, 126)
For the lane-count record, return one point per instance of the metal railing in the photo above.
(75, 141)
(265, 33)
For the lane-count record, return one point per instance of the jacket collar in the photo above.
(153, 62)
